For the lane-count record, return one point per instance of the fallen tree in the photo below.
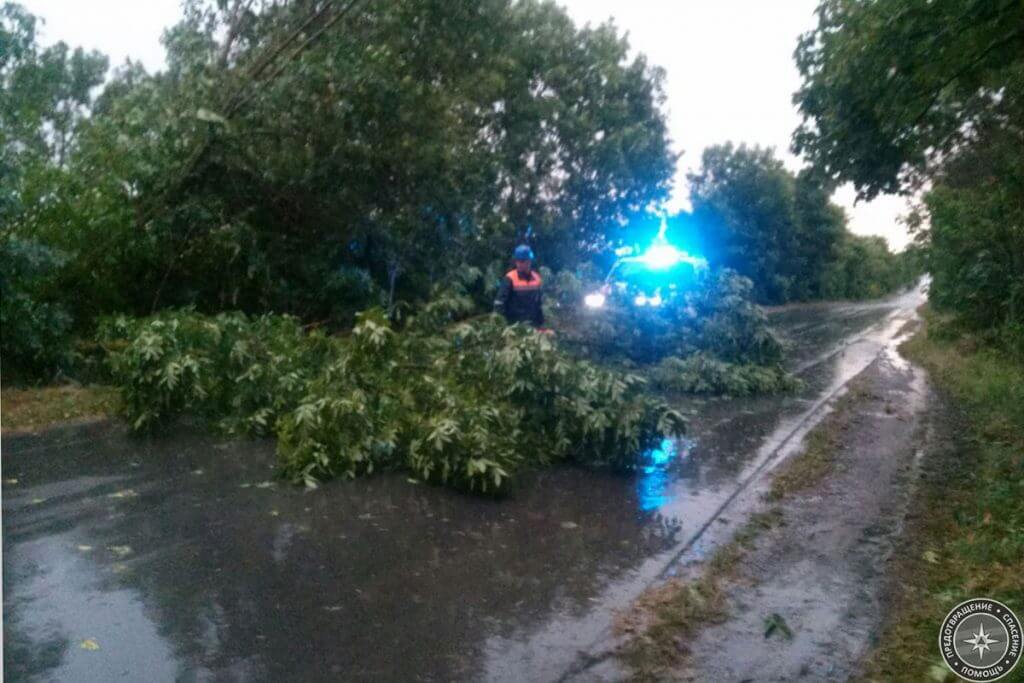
(465, 404)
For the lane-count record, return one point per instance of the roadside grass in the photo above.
(665, 616)
(32, 408)
(965, 537)
(807, 468)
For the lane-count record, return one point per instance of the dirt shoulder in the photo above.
(804, 595)
(965, 532)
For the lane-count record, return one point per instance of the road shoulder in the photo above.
(802, 598)
(34, 409)
(964, 535)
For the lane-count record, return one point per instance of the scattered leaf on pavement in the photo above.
(775, 623)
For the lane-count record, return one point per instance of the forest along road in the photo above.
(182, 558)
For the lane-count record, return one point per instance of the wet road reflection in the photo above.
(181, 558)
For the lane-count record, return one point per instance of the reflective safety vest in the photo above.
(519, 298)
(519, 283)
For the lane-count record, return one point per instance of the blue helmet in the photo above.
(523, 253)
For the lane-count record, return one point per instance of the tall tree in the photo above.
(895, 93)
(743, 203)
(47, 92)
(783, 231)
(892, 86)
(293, 150)
(820, 229)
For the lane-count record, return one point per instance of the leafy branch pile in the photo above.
(705, 374)
(466, 404)
(715, 315)
(713, 339)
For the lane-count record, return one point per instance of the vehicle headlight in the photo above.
(655, 300)
(594, 300)
(640, 300)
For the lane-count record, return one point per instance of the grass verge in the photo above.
(809, 466)
(666, 615)
(29, 409)
(965, 537)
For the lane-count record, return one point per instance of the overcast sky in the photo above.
(729, 64)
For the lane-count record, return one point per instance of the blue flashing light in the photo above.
(661, 256)
(651, 277)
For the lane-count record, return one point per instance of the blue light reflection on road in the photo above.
(653, 488)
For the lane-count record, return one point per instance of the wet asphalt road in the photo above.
(183, 559)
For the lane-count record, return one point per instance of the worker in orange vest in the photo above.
(519, 296)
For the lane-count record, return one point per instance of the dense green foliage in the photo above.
(295, 158)
(897, 93)
(35, 332)
(862, 267)
(711, 339)
(241, 371)
(45, 95)
(890, 87)
(320, 158)
(975, 231)
(466, 406)
(782, 231)
(716, 314)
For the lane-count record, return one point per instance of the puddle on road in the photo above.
(88, 627)
(376, 578)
